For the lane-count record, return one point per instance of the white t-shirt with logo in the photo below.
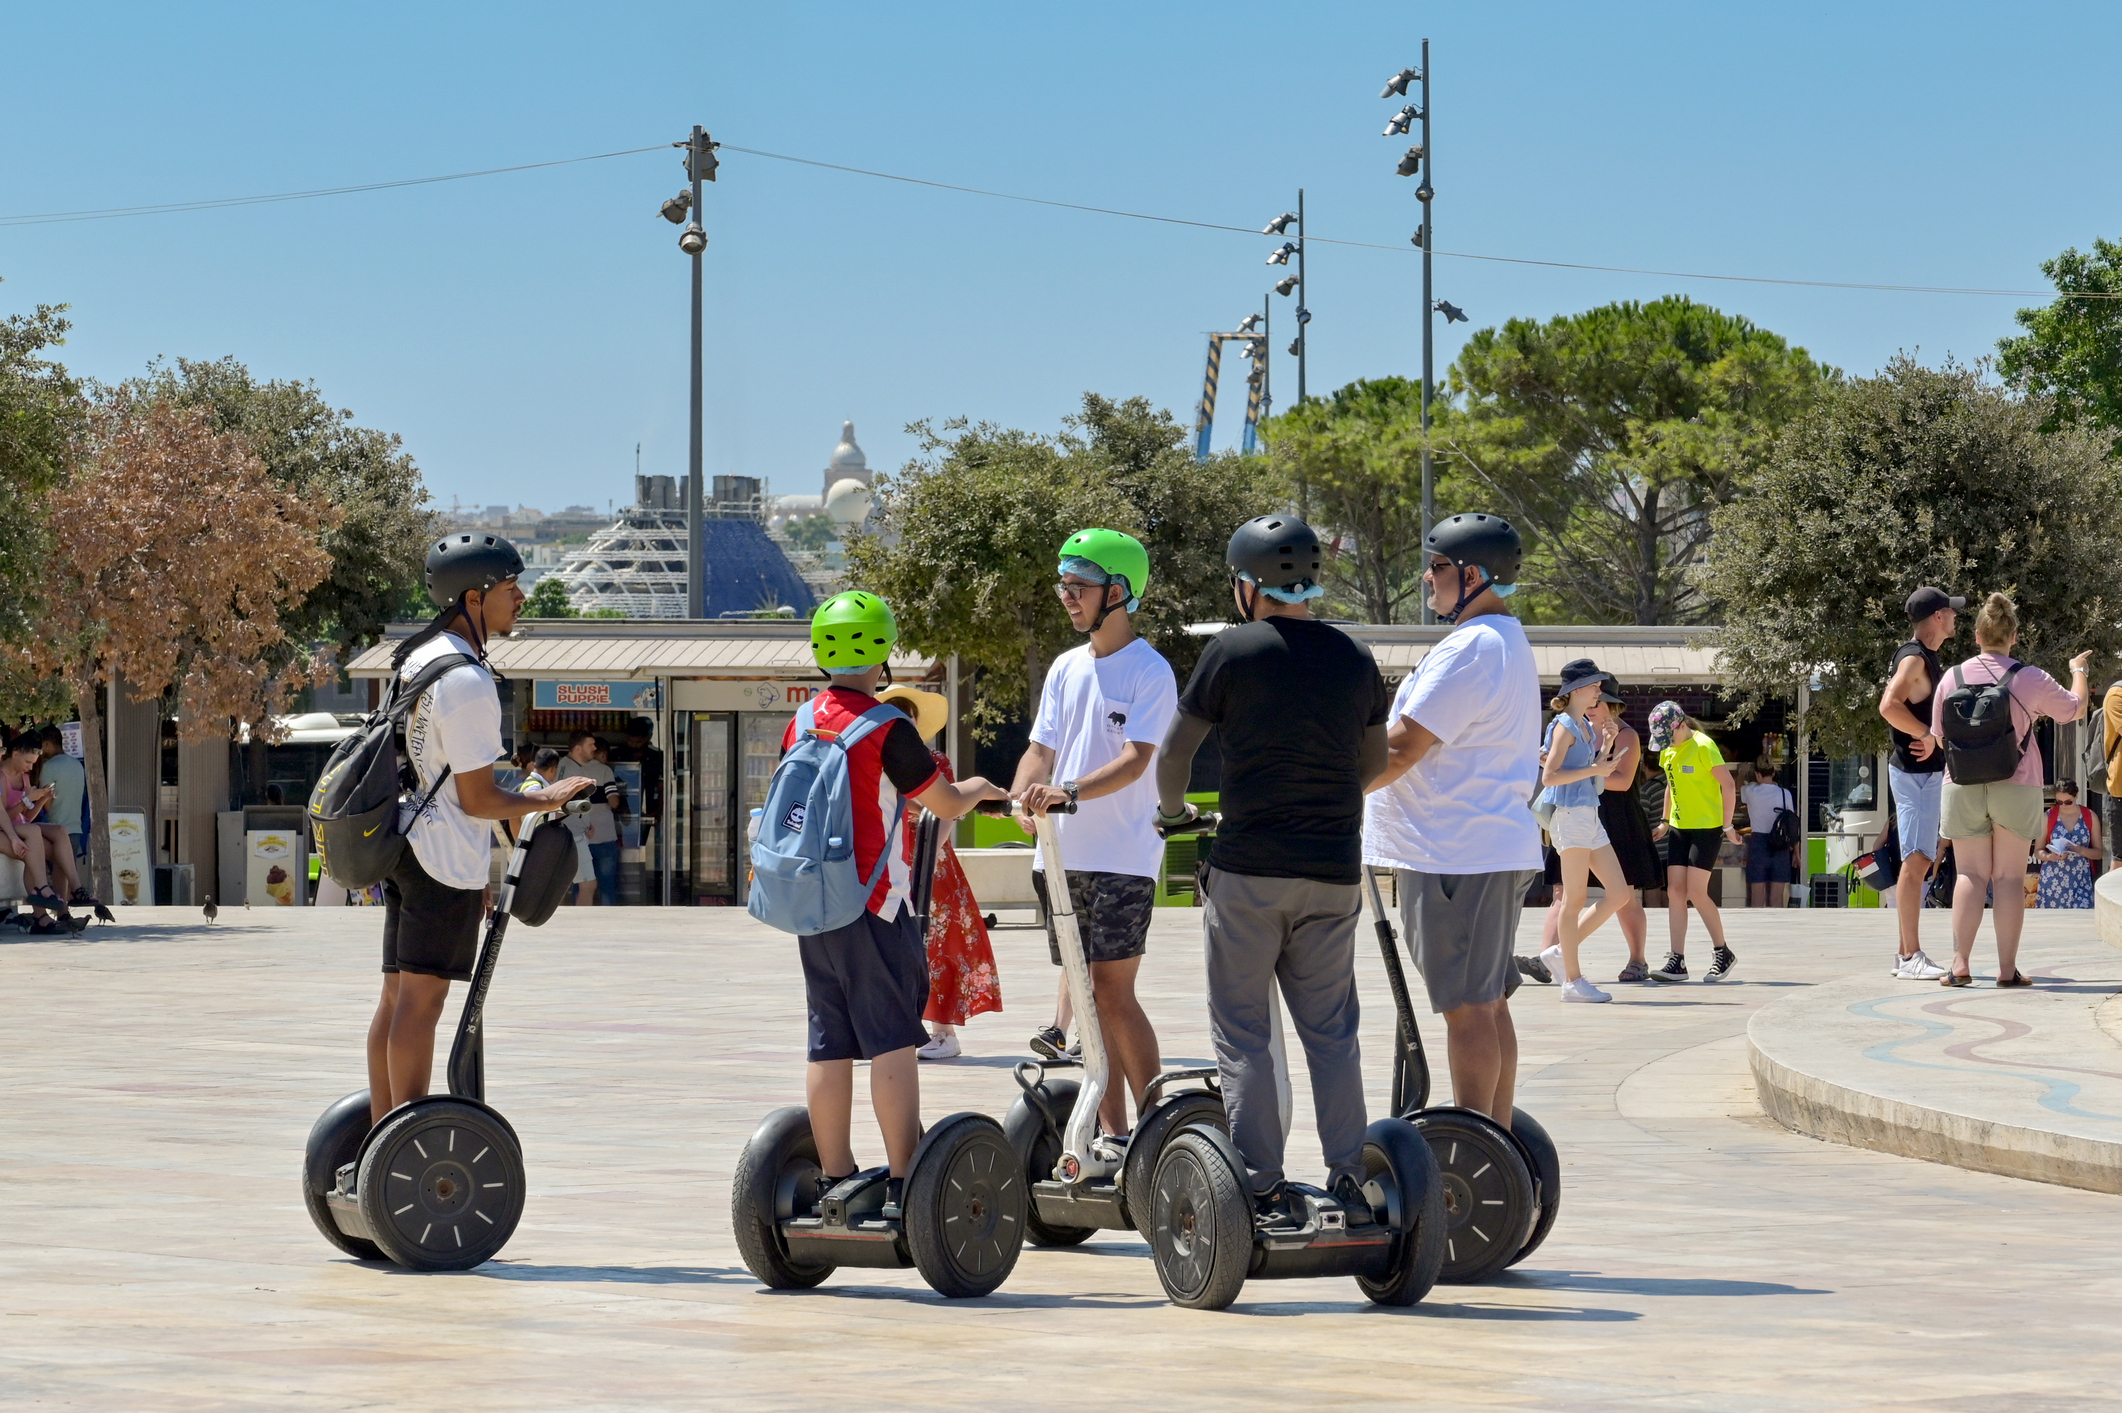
(1090, 708)
(456, 723)
(1466, 806)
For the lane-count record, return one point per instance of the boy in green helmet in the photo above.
(1102, 711)
(866, 984)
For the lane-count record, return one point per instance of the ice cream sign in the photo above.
(594, 696)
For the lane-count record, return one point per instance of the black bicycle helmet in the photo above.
(1489, 541)
(1277, 552)
(460, 563)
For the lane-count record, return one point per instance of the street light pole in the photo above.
(695, 576)
(1304, 315)
(1425, 195)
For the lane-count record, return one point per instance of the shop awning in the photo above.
(1637, 655)
(624, 649)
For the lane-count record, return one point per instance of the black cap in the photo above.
(1926, 601)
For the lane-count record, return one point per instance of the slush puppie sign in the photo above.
(595, 696)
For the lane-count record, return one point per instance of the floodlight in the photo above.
(1411, 163)
(1452, 313)
(1282, 253)
(1248, 323)
(1286, 284)
(1400, 122)
(1396, 86)
(1280, 225)
(694, 240)
(674, 209)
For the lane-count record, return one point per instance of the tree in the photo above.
(2071, 352)
(378, 544)
(1610, 436)
(180, 555)
(813, 532)
(39, 413)
(1358, 456)
(1915, 476)
(969, 534)
(548, 599)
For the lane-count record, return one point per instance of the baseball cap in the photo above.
(1926, 601)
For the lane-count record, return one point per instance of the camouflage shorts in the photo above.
(1112, 913)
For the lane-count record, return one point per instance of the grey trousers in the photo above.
(1302, 934)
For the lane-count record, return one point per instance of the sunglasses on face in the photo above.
(1076, 591)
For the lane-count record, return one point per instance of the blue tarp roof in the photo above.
(746, 571)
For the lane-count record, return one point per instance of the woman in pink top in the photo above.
(1993, 825)
(19, 839)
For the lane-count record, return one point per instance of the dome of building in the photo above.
(848, 463)
(848, 502)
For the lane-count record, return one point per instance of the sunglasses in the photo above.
(1076, 591)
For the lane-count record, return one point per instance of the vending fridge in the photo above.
(732, 760)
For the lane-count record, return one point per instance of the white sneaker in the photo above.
(1917, 967)
(1582, 990)
(1552, 960)
(940, 1047)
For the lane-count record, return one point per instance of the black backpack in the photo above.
(1982, 746)
(353, 812)
(1783, 833)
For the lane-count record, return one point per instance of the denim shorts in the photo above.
(1919, 808)
(1764, 863)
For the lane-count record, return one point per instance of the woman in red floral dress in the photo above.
(961, 964)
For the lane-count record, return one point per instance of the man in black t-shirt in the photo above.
(1300, 709)
(1917, 769)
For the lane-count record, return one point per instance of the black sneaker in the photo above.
(1721, 963)
(1674, 968)
(1049, 1043)
(1075, 1048)
(1271, 1208)
(894, 1198)
(1349, 1193)
(1536, 969)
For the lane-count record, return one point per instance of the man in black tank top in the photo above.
(1916, 770)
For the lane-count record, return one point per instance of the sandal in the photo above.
(2017, 978)
(47, 897)
(43, 927)
(1953, 978)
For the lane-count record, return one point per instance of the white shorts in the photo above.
(1577, 827)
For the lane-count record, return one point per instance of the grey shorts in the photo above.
(1112, 913)
(1461, 928)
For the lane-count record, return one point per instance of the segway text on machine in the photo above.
(439, 1184)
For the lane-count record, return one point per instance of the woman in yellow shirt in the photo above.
(1699, 799)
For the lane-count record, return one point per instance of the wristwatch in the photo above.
(1075, 790)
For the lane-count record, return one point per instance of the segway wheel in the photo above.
(1038, 1148)
(777, 1177)
(1488, 1193)
(965, 1206)
(1546, 1166)
(1138, 1178)
(335, 1141)
(1399, 1166)
(442, 1185)
(1201, 1220)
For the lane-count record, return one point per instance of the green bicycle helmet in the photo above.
(1119, 557)
(852, 630)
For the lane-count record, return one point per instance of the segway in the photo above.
(1502, 1187)
(1081, 1181)
(439, 1185)
(960, 1220)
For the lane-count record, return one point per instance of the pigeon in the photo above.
(103, 914)
(211, 912)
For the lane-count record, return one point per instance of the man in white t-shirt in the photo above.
(1453, 811)
(596, 832)
(1103, 709)
(435, 894)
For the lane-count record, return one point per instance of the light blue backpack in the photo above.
(804, 878)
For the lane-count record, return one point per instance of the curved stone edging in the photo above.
(1821, 1108)
(2107, 908)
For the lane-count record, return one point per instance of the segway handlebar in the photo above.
(1205, 822)
(1007, 807)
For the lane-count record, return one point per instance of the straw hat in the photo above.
(930, 710)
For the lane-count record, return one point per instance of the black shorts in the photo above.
(429, 928)
(1112, 913)
(1692, 848)
(865, 985)
(1766, 864)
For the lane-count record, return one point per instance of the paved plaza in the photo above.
(160, 1077)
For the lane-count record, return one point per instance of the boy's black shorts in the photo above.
(429, 928)
(866, 985)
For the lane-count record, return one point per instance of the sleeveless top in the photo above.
(1577, 792)
(1904, 762)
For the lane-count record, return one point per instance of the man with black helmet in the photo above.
(434, 896)
(1451, 813)
(1299, 709)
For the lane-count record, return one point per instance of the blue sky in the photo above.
(524, 332)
